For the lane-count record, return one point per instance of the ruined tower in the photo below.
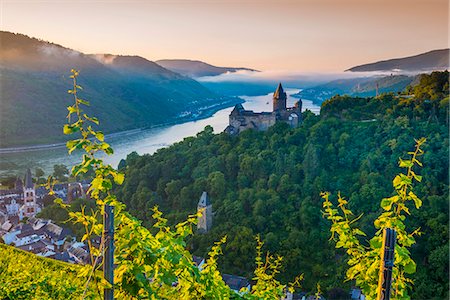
(205, 208)
(279, 99)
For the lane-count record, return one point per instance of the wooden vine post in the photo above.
(387, 263)
(108, 259)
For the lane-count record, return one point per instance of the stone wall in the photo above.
(256, 121)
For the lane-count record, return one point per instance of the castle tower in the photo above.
(279, 99)
(298, 107)
(205, 208)
(30, 207)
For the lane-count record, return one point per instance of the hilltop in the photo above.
(269, 183)
(196, 68)
(429, 61)
(126, 92)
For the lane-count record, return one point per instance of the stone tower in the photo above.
(205, 208)
(298, 107)
(30, 207)
(279, 99)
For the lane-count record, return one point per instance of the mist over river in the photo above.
(142, 141)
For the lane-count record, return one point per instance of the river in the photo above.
(141, 141)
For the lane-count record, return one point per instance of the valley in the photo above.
(142, 141)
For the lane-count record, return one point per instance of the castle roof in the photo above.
(279, 93)
(238, 109)
(28, 180)
(204, 200)
(13, 192)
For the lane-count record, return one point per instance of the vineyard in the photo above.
(24, 275)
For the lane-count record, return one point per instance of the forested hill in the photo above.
(268, 183)
(356, 87)
(195, 68)
(126, 92)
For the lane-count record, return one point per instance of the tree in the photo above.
(364, 260)
(48, 200)
(39, 173)
(8, 181)
(217, 184)
(60, 172)
(149, 264)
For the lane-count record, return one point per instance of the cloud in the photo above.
(284, 76)
(53, 50)
(106, 59)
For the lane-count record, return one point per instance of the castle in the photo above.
(241, 119)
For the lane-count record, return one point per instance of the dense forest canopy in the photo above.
(269, 183)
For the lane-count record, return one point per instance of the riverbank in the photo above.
(202, 113)
(142, 140)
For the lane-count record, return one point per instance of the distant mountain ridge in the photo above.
(429, 61)
(126, 92)
(356, 87)
(196, 68)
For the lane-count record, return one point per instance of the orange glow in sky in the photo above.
(302, 35)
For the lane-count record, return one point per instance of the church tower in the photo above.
(279, 99)
(30, 207)
(205, 208)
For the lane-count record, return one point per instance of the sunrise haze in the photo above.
(266, 35)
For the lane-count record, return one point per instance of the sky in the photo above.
(268, 35)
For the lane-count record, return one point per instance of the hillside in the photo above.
(125, 92)
(357, 87)
(28, 276)
(195, 68)
(429, 61)
(268, 183)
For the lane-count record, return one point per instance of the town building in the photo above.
(241, 119)
(21, 201)
(20, 227)
(198, 261)
(45, 238)
(236, 283)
